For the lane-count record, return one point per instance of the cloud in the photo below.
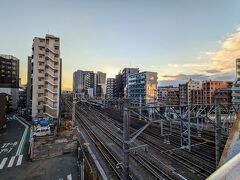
(213, 71)
(184, 76)
(173, 65)
(223, 59)
(211, 64)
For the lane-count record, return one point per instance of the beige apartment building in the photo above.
(192, 85)
(44, 77)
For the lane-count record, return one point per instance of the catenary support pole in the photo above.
(189, 128)
(140, 110)
(126, 132)
(74, 108)
(217, 130)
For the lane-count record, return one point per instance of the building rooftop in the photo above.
(10, 57)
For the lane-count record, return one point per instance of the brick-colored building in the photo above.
(3, 109)
(172, 97)
(209, 88)
(223, 95)
(197, 96)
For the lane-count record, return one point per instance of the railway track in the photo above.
(200, 170)
(155, 171)
(104, 151)
(175, 139)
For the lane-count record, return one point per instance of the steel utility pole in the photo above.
(126, 138)
(140, 110)
(217, 130)
(189, 128)
(74, 108)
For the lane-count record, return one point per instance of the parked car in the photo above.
(42, 131)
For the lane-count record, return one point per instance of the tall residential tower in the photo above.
(236, 85)
(45, 77)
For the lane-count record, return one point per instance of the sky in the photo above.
(178, 39)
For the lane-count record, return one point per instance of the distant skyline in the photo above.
(178, 39)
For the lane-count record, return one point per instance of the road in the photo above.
(13, 157)
(13, 141)
(57, 168)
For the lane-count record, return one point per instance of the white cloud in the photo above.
(221, 61)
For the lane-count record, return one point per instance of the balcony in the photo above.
(51, 105)
(50, 98)
(235, 88)
(51, 48)
(51, 57)
(51, 73)
(235, 100)
(50, 112)
(236, 94)
(51, 89)
(51, 65)
(51, 81)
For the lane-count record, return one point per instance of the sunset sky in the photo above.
(178, 39)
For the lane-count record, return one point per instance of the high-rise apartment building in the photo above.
(209, 88)
(197, 96)
(142, 86)
(172, 97)
(236, 85)
(29, 84)
(192, 85)
(89, 83)
(78, 81)
(9, 78)
(223, 95)
(45, 77)
(101, 77)
(119, 91)
(100, 83)
(111, 84)
(168, 95)
(182, 94)
(126, 72)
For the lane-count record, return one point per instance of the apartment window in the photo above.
(56, 47)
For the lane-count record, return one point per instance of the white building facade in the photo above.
(45, 77)
(236, 85)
